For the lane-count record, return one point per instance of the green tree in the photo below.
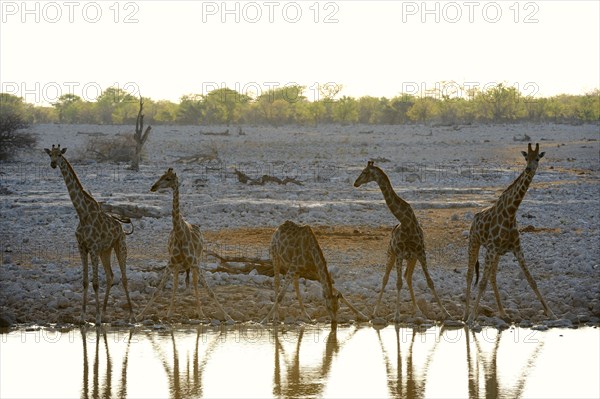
(115, 105)
(498, 104)
(453, 108)
(345, 110)
(163, 111)
(423, 110)
(224, 106)
(88, 113)
(68, 108)
(394, 111)
(315, 110)
(44, 115)
(13, 105)
(282, 105)
(589, 106)
(190, 109)
(535, 108)
(369, 110)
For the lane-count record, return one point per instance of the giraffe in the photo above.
(406, 241)
(496, 229)
(185, 250)
(295, 248)
(98, 234)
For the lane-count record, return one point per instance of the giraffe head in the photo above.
(532, 157)
(167, 180)
(368, 174)
(332, 305)
(55, 153)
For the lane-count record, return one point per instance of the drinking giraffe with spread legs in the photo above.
(98, 234)
(406, 241)
(496, 229)
(295, 248)
(185, 250)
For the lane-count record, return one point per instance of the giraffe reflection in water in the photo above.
(486, 363)
(409, 385)
(102, 389)
(301, 380)
(186, 381)
(410, 376)
(305, 362)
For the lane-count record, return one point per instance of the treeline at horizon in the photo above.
(289, 106)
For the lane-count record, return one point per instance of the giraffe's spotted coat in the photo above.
(406, 242)
(496, 229)
(98, 234)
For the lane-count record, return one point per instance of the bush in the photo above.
(11, 138)
(111, 149)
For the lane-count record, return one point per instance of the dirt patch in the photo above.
(356, 246)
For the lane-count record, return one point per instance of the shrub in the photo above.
(111, 149)
(12, 139)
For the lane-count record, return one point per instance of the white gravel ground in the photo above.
(462, 169)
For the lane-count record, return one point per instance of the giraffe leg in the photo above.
(388, 268)
(408, 275)
(161, 284)
(473, 255)
(297, 288)
(494, 284)
(491, 259)
(213, 296)
(276, 275)
(175, 286)
(95, 284)
(86, 280)
(423, 263)
(121, 252)
(399, 260)
(521, 259)
(105, 259)
(359, 315)
(279, 297)
(197, 293)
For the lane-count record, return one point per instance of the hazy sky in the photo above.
(166, 49)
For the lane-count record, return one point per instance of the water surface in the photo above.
(313, 361)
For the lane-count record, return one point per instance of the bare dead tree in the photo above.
(140, 139)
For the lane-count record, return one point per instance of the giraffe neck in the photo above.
(176, 214)
(511, 197)
(83, 202)
(399, 208)
(324, 276)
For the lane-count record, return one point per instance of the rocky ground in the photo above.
(446, 173)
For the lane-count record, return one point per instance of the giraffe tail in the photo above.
(476, 273)
(132, 229)
(124, 220)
